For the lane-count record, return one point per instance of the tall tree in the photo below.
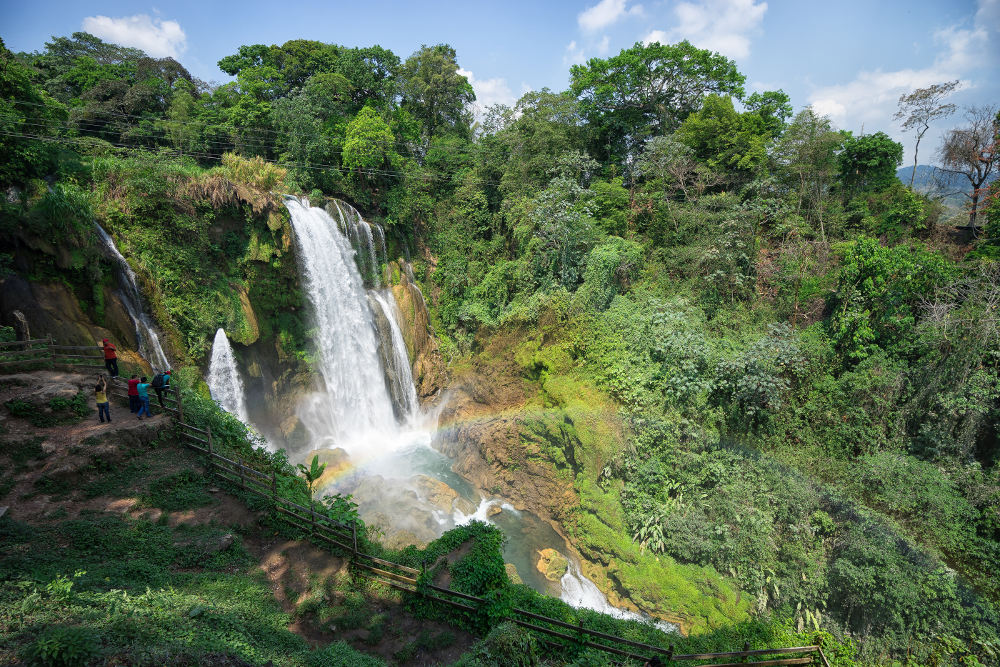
(771, 110)
(971, 151)
(920, 108)
(725, 139)
(868, 162)
(435, 93)
(648, 89)
(807, 154)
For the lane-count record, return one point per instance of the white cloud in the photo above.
(656, 36)
(872, 96)
(605, 13)
(724, 26)
(156, 37)
(574, 54)
(870, 99)
(604, 46)
(988, 15)
(488, 92)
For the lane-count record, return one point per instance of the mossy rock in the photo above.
(552, 564)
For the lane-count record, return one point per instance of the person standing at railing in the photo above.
(101, 395)
(143, 389)
(110, 357)
(133, 394)
(161, 383)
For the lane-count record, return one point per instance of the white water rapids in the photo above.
(224, 380)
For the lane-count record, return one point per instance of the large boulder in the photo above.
(552, 564)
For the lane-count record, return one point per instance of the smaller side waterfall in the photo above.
(145, 331)
(224, 378)
(392, 351)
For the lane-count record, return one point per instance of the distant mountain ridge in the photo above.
(952, 188)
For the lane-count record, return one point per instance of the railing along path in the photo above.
(345, 537)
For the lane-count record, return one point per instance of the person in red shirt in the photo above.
(110, 357)
(133, 393)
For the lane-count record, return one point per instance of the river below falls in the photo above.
(526, 533)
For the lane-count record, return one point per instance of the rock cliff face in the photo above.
(275, 383)
(524, 455)
(51, 309)
(429, 373)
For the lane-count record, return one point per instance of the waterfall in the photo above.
(224, 381)
(361, 233)
(131, 296)
(355, 411)
(394, 358)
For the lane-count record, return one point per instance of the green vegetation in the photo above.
(103, 588)
(765, 367)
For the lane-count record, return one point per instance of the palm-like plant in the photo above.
(312, 473)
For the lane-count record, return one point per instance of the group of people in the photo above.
(138, 387)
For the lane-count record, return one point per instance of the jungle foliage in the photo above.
(805, 357)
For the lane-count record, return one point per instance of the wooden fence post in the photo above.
(180, 406)
(239, 468)
(274, 487)
(354, 537)
(670, 654)
(746, 647)
(52, 352)
(211, 461)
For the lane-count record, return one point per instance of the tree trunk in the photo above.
(973, 212)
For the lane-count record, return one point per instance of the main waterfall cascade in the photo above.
(145, 331)
(224, 382)
(354, 411)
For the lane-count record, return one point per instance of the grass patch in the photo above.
(107, 589)
(184, 490)
(58, 411)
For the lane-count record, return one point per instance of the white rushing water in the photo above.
(581, 592)
(224, 381)
(354, 411)
(131, 296)
(402, 374)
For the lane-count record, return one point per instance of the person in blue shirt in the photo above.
(143, 389)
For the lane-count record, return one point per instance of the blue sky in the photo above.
(850, 59)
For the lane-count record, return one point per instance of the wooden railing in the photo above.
(344, 536)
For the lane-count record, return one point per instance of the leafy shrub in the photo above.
(62, 646)
(649, 352)
(506, 645)
(751, 386)
(877, 295)
(611, 268)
